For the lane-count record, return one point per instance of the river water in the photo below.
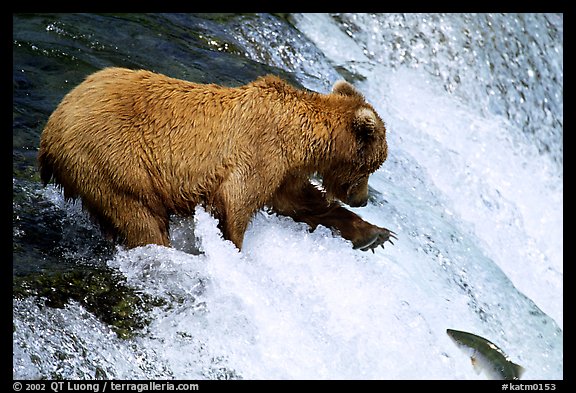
(473, 186)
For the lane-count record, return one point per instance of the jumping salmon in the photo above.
(486, 355)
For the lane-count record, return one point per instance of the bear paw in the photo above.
(377, 237)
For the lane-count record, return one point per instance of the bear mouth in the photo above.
(357, 202)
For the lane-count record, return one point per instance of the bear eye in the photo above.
(354, 184)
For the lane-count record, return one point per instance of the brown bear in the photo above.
(138, 146)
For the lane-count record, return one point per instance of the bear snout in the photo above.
(356, 201)
(357, 194)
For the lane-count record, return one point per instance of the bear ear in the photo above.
(346, 89)
(365, 122)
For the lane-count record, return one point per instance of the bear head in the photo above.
(359, 150)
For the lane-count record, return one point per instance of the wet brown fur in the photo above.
(137, 146)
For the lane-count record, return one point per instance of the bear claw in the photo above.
(379, 239)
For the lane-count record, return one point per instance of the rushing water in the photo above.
(472, 186)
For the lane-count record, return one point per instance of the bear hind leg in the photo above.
(146, 230)
(131, 223)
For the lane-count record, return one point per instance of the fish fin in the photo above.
(475, 363)
(519, 370)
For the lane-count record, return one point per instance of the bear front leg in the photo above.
(234, 205)
(231, 222)
(299, 199)
(363, 235)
